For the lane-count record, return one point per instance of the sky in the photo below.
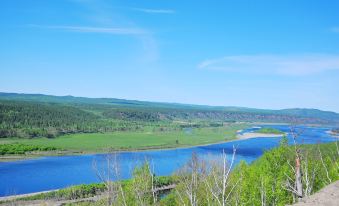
(261, 54)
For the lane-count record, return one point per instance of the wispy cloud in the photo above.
(305, 64)
(145, 37)
(89, 29)
(335, 29)
(155, 11)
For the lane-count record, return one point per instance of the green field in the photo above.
(133, 140)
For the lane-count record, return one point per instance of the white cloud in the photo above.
(158, 11)
(88, 29)
(274, 64)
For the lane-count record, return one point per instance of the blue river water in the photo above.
(48, 173)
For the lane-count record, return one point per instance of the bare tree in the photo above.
(297, 187)
(217, 179)
(107, 173)
(154, 195)
(304, 172)
(190, 176)
(329, 180)
(309, 173)
(337, 155)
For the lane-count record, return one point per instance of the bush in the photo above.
(17, 148)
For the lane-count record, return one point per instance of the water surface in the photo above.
(48, 173)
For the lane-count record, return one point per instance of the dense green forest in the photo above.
(269, 180)
(36, 119)
(24, 115)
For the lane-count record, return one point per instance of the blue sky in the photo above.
(263, 54)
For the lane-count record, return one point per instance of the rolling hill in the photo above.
(47, 115)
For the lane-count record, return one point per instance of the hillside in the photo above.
(328, 196)
(32, 115)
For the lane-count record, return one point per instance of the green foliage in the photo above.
(90, 190)
(34, 119)
(74, 192)
(139, 191)
(265, 180)
(161, 181)
(17, 148)
(169, 200)
(268, 130)
(33, 116)
(182, 111)
(150, 138)
(264, 177)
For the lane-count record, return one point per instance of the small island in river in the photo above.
(263, 132)
(334, 132)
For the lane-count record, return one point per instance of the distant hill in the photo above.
(47, 115)
(85, 100)
(312, 113)
(309, 113)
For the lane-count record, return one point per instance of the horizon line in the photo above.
(164, 102)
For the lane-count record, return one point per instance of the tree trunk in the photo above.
(298, 179)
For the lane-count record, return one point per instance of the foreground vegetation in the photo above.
(270, 180)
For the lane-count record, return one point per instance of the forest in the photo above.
(30, 116)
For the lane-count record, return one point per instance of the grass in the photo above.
(133, 140)
(268, 130)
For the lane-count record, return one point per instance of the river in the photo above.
(48, 173)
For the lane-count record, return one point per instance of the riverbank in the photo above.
(96, 143)
(333, 134)
(15, 197)
(249, 135)
(10, 158)
(86, 193)
(230, 135)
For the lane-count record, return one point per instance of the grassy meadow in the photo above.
(134, 140)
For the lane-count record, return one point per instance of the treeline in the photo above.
(25, 119)
(32, 119)
(156, 114)
(37, 119)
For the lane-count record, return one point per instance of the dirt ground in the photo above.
(328, 196)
